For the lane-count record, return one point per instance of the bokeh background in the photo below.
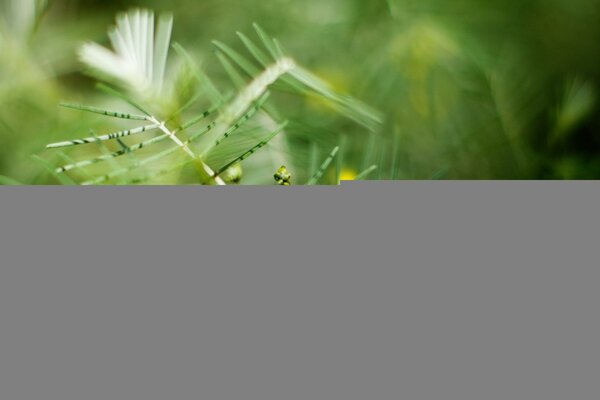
(469, 89)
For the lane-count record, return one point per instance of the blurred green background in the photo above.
(470, 89)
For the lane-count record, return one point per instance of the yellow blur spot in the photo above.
(348, 174)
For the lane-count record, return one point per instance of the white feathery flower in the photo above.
(139, 58)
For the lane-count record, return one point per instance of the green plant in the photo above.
(169, 103)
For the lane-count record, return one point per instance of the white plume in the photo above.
(139, 59)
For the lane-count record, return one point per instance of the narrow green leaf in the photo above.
(111, 136)
(70, 160)
(363, 175)
(198, 118)
(261, 57)
(252, 150)
(267, 41)
(253, 110)
(247, 66)
(114, 92)
(321, 171)
(63, 179)
(101, 111)
(237, 79)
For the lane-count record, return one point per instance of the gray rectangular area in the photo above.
(417, 291)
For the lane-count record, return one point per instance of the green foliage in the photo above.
(138, 66)
(448, 90)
